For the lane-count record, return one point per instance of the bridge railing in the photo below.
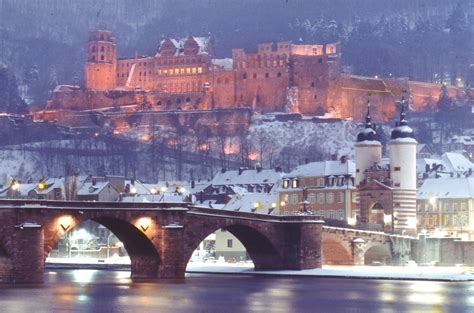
(34, 203)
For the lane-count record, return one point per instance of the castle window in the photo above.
(140, 74)
(193, 70)
(199, 70)
(168, 102)
(158, 103)
(101, 37)
(267, 75)
(244, 76)
(281, 62)
(315, 51)
(315, 97)
(188, 70)
(123, 75)
(278, 74)
(181, 70)
(178, 101)
(93, 58)
(102, 57)
(254, 75)
(396, 168)
(312, 84)
(188, 100)
(93, 48)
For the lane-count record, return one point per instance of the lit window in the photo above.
(229, 243)
(286, 183)
(199, 69)
(193, 70)
(294, 183)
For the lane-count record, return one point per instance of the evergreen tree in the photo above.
(10, 100)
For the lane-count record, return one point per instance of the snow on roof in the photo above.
(446, 188)
(140, 188)
(51, 183)
(466, 140)
(421, 164)
(165, 197)
(226, 63)
(90, 188)
(264, 176)
(456, 162)
(203, 44)
(246, 202)
(323, 168)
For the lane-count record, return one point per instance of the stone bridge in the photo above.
(159, 237)
(345, 246)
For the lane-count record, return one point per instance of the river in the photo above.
(113, 291)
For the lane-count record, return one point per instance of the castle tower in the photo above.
(368, 149)
(403, 174)
(101, 63)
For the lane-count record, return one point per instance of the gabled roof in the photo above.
(90, 188)
(456, 162)
(202, 42)
(51, 183)
(323, 168)
(264, 176)
(447, 188)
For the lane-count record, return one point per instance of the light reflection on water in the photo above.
(114, 291)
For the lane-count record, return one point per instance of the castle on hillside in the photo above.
(184, 74)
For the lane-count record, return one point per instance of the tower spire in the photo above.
(368, 120)
(403, 120)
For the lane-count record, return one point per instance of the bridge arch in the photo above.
(260, 247)
(377, 252)
(335, 252)
(136, 233)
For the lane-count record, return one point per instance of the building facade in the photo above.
(322, 188)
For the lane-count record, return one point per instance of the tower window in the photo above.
(102, 58)
(278, 74)
(396, 168)
(254, 75)
(102, 49)
(93, 49)
(93, 58)
(244, 76)
(267, 75)
(158, 103)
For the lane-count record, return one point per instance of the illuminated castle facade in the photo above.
(184, 74)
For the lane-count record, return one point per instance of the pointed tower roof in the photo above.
(368, 133)
(402, 130)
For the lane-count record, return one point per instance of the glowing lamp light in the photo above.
(163, 189)
(432, 200)
(15, 185)
(387, 218)
(274, 205)
(65, 222)
(282, 203)
(41, 185)
(133, 190)
(182, 190)
(153, 190)
(351, 221)
(144, 223)
(256, 205)
(411, 222)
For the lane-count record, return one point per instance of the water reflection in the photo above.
(112, 291)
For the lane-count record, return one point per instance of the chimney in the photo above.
(427, 168)
(258, 167)
(241, 170)
(278, 169)
(94, 182)
(306, 160)
(223, 170)
(343, 159)
(193, 184)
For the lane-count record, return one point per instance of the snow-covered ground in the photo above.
(247, 268)
(372, 272)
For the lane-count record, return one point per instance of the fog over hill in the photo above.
(42, 41)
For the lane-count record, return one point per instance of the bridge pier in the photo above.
(358, 253)
(27, 255)
(306, 246)
(172, 262)
(144, 267)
